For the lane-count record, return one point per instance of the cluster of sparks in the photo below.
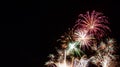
(85, 35)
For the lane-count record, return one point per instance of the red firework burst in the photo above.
(94, 22)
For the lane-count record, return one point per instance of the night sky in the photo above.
(45, 21)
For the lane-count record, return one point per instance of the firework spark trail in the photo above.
(76, 62)
(83, 62)
(64, 62)
(62, 65)
(65, 58)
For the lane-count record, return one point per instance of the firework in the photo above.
(74, 49)
(66, 38)
(94, 22)
(110, 41)
(64, 62)
(83, 38)
(83, 62)
(106, 61)
(102, 45)
(87, 32)
(71, 47)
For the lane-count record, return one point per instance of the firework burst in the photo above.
(94, 22)
(74, 49)
(83, 38)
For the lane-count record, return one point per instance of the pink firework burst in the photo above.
(83, 38)
(95, 22)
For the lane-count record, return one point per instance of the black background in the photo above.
(43, 22)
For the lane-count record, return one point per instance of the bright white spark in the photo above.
(71, 46)
(83, 38)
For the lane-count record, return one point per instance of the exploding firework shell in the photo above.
(84, 39)
(95, 22)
